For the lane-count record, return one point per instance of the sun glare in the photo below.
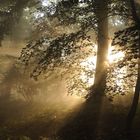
(45, 2)
(89, 66)
(114, 58)
(87, 79)
(89, 63)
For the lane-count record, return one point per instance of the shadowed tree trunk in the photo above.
(85, 125)
(135, 101)
(102, 50)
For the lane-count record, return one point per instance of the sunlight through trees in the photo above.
(91, 46)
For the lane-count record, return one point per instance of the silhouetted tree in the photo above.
(129, 39)
(135, 101)
(86, 18)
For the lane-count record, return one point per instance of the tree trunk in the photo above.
(135, 101)
(102, 50)
(85, 125)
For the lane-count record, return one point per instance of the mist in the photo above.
(44, 108)
(25, 102)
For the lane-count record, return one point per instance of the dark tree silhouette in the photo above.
(129, 38)
(135, 101)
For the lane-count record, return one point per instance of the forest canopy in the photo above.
(89, 47)
(64, 37)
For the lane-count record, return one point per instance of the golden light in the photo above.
(114, 58)
(87, 79)
(89, 64)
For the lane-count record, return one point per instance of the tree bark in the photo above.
(85, 125)
(102, 50)
(135, 101)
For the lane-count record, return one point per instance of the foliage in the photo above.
(51, 50)
(126, 69)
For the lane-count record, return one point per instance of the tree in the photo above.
(102, 51)
(134, 105)
(87, 22)
(129, 39)
(63, 45)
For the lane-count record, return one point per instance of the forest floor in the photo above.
(42, 110)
